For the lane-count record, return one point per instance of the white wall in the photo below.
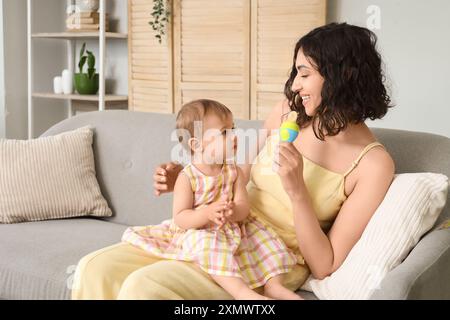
(2, 83)
(50, 58)
(414, 39)
(15, 75)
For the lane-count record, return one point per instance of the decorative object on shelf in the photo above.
(67, 83)
(87, 5)
(86, 83)
(57, 85)
(160, 18)
(85, 21)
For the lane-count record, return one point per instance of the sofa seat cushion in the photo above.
(38, 259)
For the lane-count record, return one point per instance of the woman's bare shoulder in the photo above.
(377, 161)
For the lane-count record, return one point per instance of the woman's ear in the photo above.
(195, 145)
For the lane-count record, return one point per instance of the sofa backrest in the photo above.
(418, 152)
(129, 145)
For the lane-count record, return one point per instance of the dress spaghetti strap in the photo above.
(366, 149)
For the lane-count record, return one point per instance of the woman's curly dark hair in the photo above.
(353, 89)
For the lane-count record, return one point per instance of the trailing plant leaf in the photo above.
(160, 18)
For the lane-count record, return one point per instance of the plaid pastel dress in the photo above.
(247, 249)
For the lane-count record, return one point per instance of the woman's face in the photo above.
(308, 83)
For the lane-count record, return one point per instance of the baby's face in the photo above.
(219, 142)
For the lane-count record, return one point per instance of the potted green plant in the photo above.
(86, 83)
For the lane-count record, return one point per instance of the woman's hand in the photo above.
(288, 163)
(165, 176)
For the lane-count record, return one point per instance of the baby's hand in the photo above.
(216, 212)
(229, 212)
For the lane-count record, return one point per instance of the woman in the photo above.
(328, 184)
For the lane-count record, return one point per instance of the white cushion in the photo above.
(49, 178)
(409, 209)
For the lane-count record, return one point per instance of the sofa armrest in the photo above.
(424, 272)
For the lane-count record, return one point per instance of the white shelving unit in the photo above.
(71, 38)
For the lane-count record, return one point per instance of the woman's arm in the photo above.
(377, 172)
(324, 253)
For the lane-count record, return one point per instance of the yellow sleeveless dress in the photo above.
(271, 204)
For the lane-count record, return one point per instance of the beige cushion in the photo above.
(409, 209)
(49, 178)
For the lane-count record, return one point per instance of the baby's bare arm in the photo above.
(184, 215)
(241, 207)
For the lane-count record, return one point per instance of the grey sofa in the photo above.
(37, 259)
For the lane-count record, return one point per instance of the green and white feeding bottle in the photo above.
(289, 129)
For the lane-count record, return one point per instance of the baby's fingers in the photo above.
(220, 206)
(221, 203)
(218, 221)
(219, 214)
(222, 222)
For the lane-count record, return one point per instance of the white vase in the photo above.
(67, 82)
(57, 85)
(87, 5)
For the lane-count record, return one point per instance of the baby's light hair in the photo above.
(196, 110)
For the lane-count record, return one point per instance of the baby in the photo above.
(212, 225)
